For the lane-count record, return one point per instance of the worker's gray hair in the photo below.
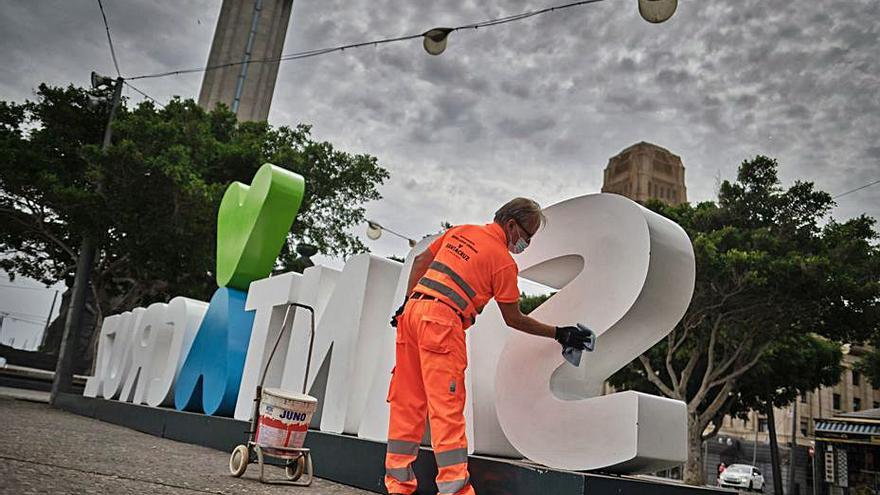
(523, 210)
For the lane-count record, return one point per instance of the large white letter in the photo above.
(174, 336)
(269, 297)
(634, 286)
(108, 346)
(143, 344)
(349, 335)
(120, 357)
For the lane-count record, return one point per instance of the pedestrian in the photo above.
(449, 284)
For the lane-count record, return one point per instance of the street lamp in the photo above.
(374, 231)
(657, 11)
(435, 40)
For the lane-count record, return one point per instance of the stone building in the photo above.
(646, 171)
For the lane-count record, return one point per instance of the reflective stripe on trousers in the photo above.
(429, 369)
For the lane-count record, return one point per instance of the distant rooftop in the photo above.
(645, 144)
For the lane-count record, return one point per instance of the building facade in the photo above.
(854, 393)
(646, 171)
(248, 32)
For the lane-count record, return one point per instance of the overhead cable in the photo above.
(323, 51)
(109, 39)
(857, 189)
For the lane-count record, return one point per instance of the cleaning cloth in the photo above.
(573, 354)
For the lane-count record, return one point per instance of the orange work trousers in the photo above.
(428, 380)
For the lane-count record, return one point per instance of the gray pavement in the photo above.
(44, 450)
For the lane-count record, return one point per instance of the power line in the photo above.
(324, 51)
(19, 314)
(24, 287)
(144, 94)
(109, 39)
(10, 317)
(113, 55)
(857, 189)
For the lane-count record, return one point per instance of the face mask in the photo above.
(519, 247)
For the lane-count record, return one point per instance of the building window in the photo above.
(804, 398)
(875, 405)
(762, 424)
(804, 427)
(857, 404)
(856, 378)
(835, 402)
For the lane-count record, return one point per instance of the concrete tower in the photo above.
(247, 31)
(645, 171)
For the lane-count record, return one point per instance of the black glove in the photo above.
(398, 312)
(573, 337)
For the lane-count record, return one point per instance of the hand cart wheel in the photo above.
(295, 467)
(238, 461)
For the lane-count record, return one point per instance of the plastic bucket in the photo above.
(284, 419)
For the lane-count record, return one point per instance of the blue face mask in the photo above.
(519, 247)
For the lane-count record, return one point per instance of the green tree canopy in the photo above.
(152, 198)
(776, 293)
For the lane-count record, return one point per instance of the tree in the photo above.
(528, 303)
(152, 197)
(775, 294)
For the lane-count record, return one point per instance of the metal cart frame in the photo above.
(298, 461)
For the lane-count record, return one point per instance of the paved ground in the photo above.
(43, 450)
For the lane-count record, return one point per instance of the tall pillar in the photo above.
(247, 31)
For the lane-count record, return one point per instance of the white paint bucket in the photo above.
(284, 419)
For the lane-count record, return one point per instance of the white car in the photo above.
(742, 476)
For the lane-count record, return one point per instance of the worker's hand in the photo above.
(574, 336)
(398, 312)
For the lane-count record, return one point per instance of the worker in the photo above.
(449, 284)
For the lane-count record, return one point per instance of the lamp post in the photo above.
(63, 379)
(374, 231)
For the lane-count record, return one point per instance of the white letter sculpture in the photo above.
(622, 270)
(141, 351)
(628, 274)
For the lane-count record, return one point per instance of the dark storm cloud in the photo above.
(535, 107)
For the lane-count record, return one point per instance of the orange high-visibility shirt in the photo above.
(471, 266)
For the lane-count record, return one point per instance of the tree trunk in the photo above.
(84, 350)
(693, 468)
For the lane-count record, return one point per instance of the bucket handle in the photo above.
(287, 313)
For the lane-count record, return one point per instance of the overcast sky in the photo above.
(530, 108)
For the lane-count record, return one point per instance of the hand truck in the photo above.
(297, 461)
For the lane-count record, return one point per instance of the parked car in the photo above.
(742, 476)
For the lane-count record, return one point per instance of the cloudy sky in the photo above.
(529, 108)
